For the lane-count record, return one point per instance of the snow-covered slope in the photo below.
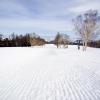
(48, 73)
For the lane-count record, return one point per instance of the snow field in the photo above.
(48, 73)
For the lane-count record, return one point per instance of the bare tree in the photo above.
(58, 40)
(65, 40)
(87, 25)
(61, 39)
(36, 40)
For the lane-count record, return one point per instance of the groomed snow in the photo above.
(48, 73)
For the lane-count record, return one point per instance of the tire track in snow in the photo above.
(10, 88)
(87, 92)
(26, 87)
(61, 88)
(16, 93)
(30, 89)
(25, 92)
(91, 78)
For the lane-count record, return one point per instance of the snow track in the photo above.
(47, 73)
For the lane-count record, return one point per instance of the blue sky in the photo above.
(44, 17)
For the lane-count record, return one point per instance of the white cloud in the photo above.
(12, 8)
(85, 5)
(52, 25)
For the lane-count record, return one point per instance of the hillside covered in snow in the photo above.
(48, 73)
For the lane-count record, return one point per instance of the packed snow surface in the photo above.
(48, 73)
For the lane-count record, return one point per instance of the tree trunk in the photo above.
(84, 44)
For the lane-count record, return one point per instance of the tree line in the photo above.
(21, 40)
(33, 40)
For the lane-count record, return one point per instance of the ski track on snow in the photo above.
(47, 73)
